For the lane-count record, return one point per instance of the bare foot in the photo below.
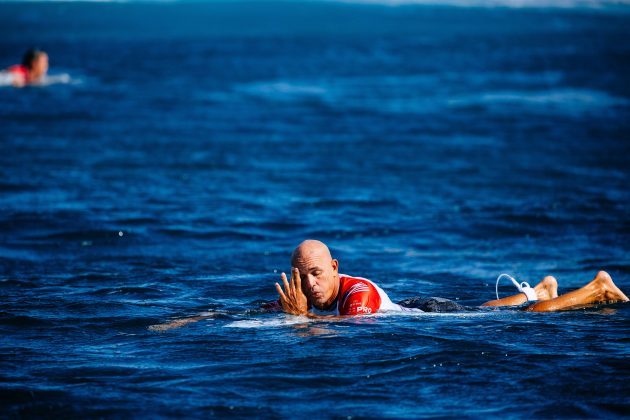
(610, 292)
(547, 288)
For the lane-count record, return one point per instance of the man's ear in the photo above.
(335, 265)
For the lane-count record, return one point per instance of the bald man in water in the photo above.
(316, 288)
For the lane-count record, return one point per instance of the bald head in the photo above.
(318, 272)
(310, 248)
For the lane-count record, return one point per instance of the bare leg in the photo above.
(545, 290)
(601, 289)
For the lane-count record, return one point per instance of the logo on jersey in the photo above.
(355, 288)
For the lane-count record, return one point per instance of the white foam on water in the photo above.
(7, 79)
(552, 100)
(58, 79)
(269, 323)
(420, 314)
(417, 95)
(287, 321)
(283, 90)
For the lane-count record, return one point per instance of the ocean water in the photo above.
(185, 148)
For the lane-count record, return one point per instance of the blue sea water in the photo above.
(195, 144)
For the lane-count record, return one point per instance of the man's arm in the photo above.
(177, 323)
(293, 302)
(180, 322)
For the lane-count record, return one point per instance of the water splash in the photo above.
(8, 79)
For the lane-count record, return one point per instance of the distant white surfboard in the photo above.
(7, 79)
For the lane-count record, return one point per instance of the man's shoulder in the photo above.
(18, 68)
(19, 73)
(344, 278)
(357, 295)
(347, 282)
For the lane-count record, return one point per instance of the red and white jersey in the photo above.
(359, 296)
(19, 71)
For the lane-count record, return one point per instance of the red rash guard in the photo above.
(19, 69)
(357, 296)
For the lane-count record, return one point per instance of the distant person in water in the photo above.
(32, 70)
(316, 288)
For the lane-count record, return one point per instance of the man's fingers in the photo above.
(286, 283)
(283, 277)
(280, 292)
(298, 280)
(292, 281)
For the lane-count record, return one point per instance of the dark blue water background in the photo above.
(432, 148)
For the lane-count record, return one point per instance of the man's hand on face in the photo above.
(292, 299)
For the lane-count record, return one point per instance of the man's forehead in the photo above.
(311, 261)
(311, 258)
(308, 268)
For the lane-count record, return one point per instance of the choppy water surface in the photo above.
(196, 144)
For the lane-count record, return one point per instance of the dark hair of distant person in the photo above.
(31, 56)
